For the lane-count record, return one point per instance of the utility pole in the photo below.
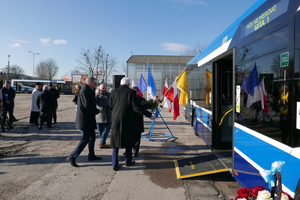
(8, 70)
(106, 70)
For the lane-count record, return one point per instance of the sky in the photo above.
(60, 29)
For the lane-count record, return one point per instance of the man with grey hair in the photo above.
(45, 102)
(85, 121)
(122, 102)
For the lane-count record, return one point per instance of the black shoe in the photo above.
(11, 127)
(49, 126)
(94, 158)
(136, 154)
(131, 163)
(124, 154)
(72, 162)
(116, 168)
(15, 120)
(40, 128)
(3, 130)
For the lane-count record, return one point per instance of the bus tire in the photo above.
(25, 90)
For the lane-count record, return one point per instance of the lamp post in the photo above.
(106, 70)
(7, 73)
(33, 62)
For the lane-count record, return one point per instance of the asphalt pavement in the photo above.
(33, 162)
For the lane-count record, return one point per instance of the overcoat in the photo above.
(86, 109)
(102, 101)
(122, 101)
(11, 93)
(138, 116)
(45, 101)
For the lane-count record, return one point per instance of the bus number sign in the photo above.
(284, 59)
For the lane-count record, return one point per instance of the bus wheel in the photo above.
(195, 127)
(25, 90)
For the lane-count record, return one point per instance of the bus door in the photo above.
(223, 97)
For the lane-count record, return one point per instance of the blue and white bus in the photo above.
(28, 85)
(267, 36)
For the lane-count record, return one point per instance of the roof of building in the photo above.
(152, 59)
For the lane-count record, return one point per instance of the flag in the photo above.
(167, 103)
(182, 86)
(135, 85)
(151, 88)
(253, 89)
(175, 101)
(142, 84)
(244, 83)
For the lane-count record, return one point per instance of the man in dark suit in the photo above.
(45, 102)
(56, 95)
(122, 102)
(9, 95)
(85, 121)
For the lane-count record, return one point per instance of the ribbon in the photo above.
(269, 175)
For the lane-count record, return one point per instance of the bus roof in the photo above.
(222, 42)
(36, 80)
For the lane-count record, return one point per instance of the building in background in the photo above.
(162, 67)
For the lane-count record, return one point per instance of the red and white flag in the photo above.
(175, 101)
(135, 85)
(167, 103)
(173, 95)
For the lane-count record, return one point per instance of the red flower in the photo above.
(242, 193)
(157, 96)
(254, 191)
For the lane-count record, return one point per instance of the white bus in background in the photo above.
(27, 85)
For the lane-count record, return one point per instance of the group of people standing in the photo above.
(44, 105)
(119, 111)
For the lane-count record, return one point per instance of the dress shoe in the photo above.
(40, 128)
(11, 127)
(72, 162)
(15, 120)
(94, 158)
(131, 163)
(104, 146)
(116, 168)
(136, 154)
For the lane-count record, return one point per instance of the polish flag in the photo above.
(167, 103)
(135, 85)
(175, 101)
(172, 95)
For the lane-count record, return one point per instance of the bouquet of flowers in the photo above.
(258, 193)
(153, 103)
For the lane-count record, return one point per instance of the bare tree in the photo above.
(15, 71)
(47, 69)
(97, 63)
(194, 51)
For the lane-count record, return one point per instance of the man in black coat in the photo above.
(85, 121)
(56, 95)
(45, 102)
(122, 102)
(9, 95)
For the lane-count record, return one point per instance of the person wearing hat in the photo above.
(35, 111)
(56, 96)
(8, 96)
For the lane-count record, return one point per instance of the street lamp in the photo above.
(8, 70)
(106, 70)
(33, 62)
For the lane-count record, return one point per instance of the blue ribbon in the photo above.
(269, 175)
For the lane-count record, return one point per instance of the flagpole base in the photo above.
(148, 136)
